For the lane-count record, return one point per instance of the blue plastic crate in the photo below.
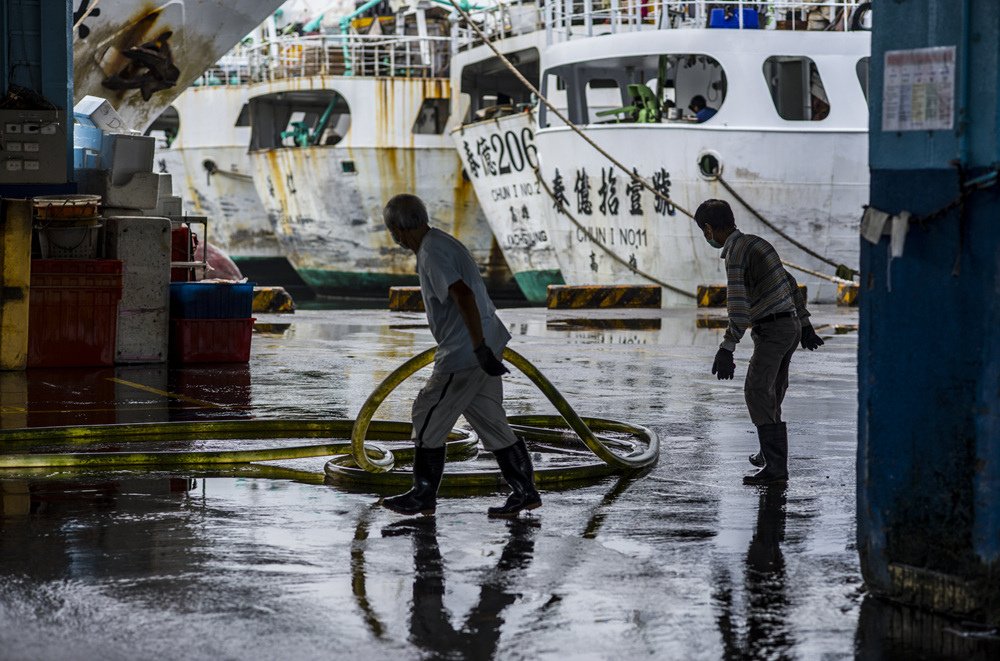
(211, 300)
(717, 19)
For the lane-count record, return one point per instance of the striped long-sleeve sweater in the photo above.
(757, 285)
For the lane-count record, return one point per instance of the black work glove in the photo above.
(724, 366)
(810, 340)
(488, 361)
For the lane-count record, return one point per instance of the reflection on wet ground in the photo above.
(683, 562)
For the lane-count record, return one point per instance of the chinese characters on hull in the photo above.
(608, 192)
(501, 153)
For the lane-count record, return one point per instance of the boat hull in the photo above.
(500, 157)
(817, 201)
(329, 221)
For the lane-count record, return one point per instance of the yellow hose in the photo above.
(361, 468)
(355, 462)
(459, 441)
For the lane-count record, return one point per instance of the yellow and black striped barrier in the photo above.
(405, 299)
(569, 297)
(650, 324)
(272, 300)
(847, 294)
(714, 296)
(711, 296)
(705, 321)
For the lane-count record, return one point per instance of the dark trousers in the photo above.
(774, 342)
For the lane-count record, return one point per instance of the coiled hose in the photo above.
(357, 462)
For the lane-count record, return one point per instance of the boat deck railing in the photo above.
(412, 56)
(505, 19)
(401, 56)
(566, 19)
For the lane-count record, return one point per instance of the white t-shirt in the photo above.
(442, 260)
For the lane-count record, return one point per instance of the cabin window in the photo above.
(554, 89)
(796, 88)
(164, 128)
(298, 118)
(603, 94)
(433, 117)
(493, 90)
(642, 89)
(244, 118)
(862, 69)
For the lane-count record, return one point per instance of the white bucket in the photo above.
(60, 242)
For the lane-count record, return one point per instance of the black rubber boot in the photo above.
(428, 465)
(515, 464)
(757, 459)
(774, 447)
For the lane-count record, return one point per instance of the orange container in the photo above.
(64, 207)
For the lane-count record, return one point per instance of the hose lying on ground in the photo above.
(357, 462)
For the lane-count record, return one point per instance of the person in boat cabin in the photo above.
(699, 107)
(762, 296)
(466, 377)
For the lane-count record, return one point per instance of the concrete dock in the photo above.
(683, 562)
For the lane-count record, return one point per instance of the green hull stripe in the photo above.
(535, 284)
(355, 282)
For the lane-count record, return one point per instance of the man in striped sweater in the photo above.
(763, 296)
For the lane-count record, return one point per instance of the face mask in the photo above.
(714, 243)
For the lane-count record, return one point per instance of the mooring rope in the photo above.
(759, 216)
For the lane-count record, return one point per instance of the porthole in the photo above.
(709, 165)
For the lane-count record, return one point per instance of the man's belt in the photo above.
(773, 317)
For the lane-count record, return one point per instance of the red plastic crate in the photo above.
(180, 251)
(73, 312)
(210, 340)
(76, 273)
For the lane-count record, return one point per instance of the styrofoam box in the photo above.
(95, 111)
(126, 155)
(143, 245)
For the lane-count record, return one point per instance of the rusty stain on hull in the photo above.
(332, 220)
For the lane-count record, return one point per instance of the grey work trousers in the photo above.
(471, 392)
(774, 342)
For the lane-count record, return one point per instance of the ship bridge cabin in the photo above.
(711, 65)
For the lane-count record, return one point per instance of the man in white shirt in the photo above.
(466, 378)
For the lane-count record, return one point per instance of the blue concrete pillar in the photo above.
(929, 349)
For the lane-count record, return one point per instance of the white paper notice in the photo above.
(919, 89)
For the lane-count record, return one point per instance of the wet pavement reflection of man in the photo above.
(431, 628)
(767, 629)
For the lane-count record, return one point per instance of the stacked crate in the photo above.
(73, 312)
(211, 322)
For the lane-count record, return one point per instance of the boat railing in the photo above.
(294, 56)
(498, 21)
(566, 19)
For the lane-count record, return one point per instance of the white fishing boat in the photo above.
(142, 55)
(344, 122)
(788, 135)
(495, 139)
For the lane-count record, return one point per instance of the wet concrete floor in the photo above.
(682, 563)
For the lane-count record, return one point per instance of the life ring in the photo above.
(858, 15)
